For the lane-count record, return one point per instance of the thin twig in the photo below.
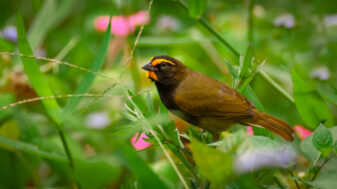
(292, 176)
(278, 182)
(50, 97)
(137, 38)
(130, 57)
(213, 31)
(66, 148)
(320, 167)
(251, 23)
(56, 62)
(276, 86)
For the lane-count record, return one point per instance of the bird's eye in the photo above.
(163, 65)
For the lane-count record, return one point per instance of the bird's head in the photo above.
(165, 70)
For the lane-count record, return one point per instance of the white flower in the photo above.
(166, 22)
(330, 20)
(286, 20)
(98, 120)
(321, 73)
(10, 33)
(265, 157)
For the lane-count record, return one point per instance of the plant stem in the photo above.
(66, 148)
(69, 156)
(276, 86)
(251, 23)
(320, 167)
(213, 31)
(292, 176)
(278, 182)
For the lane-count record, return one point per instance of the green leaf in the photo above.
(309, 103)
(149, 103)
(231, 69)
(253, 142)
(34, 74)
(29, 148)
(88, 79)
(247, 62)
(333, 131)
(213, 164)
(326, 180)
(14, 172)
(328, 92)
(106, 170)
(144, 174)
(232, 142)
(309, 151)
(323, 140)
(10, 129)
(233, 73)
(196, 7)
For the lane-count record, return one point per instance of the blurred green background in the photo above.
(286, 34)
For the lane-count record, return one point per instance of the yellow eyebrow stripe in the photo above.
(160, 60)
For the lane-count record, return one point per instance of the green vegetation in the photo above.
(77, 111)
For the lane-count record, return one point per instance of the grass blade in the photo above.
(32, 149)
(34, 74)
(88, 79)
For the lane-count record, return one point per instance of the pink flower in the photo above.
(249, 131)
(301, 132)
(140, 144)
(122, 25)
(139, 18)
(101, 23)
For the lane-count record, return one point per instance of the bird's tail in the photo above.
(272, 123)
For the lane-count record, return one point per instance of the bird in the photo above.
(205, 102)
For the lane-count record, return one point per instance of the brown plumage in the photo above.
(206, 102)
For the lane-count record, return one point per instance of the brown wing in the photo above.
(204, 96)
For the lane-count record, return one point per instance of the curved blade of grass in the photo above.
(32, 149)
(88, 79)
(34, 74)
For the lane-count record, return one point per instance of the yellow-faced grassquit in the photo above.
(206, 102)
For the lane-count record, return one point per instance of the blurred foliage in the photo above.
(280, 54)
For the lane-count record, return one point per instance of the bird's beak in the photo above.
(148, 67)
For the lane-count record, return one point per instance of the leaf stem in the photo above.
(278, 182)
(66, 147)
(251, 23)
(320, 167)
(276, 86)
(292, 176)
(211, 29)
